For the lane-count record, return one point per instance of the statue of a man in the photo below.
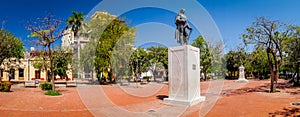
(181, 34)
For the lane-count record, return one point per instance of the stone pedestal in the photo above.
(184, 75)
(242, 74)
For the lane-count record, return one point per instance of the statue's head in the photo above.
(182, 10)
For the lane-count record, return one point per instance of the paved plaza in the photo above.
(233, 100)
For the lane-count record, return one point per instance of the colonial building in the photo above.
(22, 70)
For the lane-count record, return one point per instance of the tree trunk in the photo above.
(45, 63)
(298, 71)
(275, 74)
(51, 68)
(273, 85)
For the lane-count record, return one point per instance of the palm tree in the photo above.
(75, 22)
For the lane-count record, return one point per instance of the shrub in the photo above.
(209, 77)
(52, 93)
(46, 86)
(5, 86)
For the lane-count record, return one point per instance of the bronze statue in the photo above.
(181, 34)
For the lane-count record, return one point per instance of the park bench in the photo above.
(71, 84)
(30, 83)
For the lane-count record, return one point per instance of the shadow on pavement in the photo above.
(161, 97)
(264, 88)
(286, 112)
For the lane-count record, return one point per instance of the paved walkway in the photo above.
(128, 101)
(31, 102)
(223, 98)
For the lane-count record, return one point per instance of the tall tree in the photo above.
(139, 62)
(218, 60)
(10, 46)
(259, 63)
(121, 54)
(293, 55)
(271, 36)
(205, 54)
(93, 28)
(62, 62)
(158, 59)
(75, 22)
(105, 50)
(231, 64)
(47, 30)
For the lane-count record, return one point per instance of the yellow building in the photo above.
(22, 70)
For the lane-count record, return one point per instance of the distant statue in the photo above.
(181, 34)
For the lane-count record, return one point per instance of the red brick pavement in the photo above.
(236, 99)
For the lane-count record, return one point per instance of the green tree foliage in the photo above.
(139, 62)
(121, 55)
(61, 63)
(293, 55)
(87, 56)
(10, 46)
(75, 22)
(205, 55)
(107, 54)
(47, 30)
(41, 62)
(231, 64)
(158, 59)
(117, 60)
(270, 35)
(93, 28)
(234, 59)
(258, 63)
(218, 60)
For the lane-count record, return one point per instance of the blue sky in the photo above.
(156, 25)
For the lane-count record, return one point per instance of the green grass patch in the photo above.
(52, 93)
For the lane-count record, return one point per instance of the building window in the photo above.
(37, 74)
(12, 74)
(21, 72)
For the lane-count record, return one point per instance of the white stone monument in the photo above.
(242, 74)
(184, 75)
